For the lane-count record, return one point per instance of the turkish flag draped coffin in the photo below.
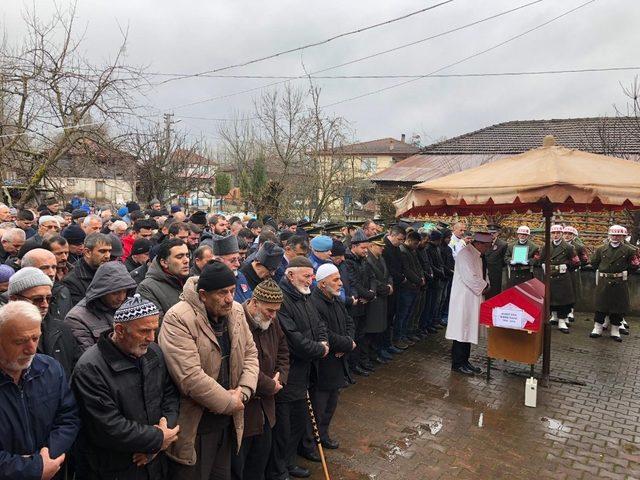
(518, 308)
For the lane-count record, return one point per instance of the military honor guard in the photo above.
(521, 257)
(563, 261)
(613, 262)
(571, 236)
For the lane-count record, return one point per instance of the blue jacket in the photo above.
(39, 412)
(243, 290)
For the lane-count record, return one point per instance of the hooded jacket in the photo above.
(79, 280)
(160, 288)
(90, 317)
(193, 357)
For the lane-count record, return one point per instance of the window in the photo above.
(100, 189)
(369, 165)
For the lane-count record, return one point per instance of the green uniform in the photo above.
(563, 261)
(520, 273)
(612, 290)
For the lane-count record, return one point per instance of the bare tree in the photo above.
(168, 165)
(52, 98)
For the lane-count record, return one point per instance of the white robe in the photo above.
(466, 296)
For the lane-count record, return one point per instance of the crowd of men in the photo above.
(155, 345)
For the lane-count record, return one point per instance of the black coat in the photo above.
(495, 266)
(332, 370)
(131, 265)
(304, 330)
(79, 280)
(412, 269)
(437, 263)
(359, 283)
(376, 319)
(120, 400)
(448, 262)
(393, 259)
(57, 341)
(139, 273)
(60, 301)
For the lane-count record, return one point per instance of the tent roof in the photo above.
(549, 174)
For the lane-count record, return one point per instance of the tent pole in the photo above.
(546, 348)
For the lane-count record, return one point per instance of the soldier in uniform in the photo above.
(613, 262)
(495, 261)
(563, 261)
(519, 272)
(570, 235)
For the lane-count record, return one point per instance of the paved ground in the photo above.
(415, 419)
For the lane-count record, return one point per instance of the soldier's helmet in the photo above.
(617, 230)
(556, 229)
(523, 230)
(569, 229)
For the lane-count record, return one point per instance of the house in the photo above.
(616, 136)
(95, 172)
(358, 162)
(375, 156)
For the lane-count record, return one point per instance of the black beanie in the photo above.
(215, 276)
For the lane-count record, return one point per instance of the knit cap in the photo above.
(26, 278)
(134, 308)
(215, 276)
(268, 291)
(5, 273)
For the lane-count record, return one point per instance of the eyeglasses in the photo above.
(36, 300)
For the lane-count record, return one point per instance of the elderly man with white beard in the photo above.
(38, 415)
(332, 370)
(307, 340)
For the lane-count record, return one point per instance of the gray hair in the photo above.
(118, 224)
(20, 309)
(28, 260)
(48, 218)
(88, 219)
(13, 234)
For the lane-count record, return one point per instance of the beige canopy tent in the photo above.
(545, 179)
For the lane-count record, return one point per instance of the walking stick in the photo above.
(316, 436)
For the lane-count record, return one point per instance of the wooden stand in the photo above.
(513, 345)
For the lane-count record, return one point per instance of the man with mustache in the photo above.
(38, 414)
(127, 401)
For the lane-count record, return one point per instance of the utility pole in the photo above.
(168, 121)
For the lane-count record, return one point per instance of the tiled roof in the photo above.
(596, 134)
(616, 136)
(383, 146)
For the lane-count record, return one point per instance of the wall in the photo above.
(115, 191)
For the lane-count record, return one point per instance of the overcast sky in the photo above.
(190, 36)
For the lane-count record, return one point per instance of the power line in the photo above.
(309, 45)
(444, 75)
(458, 62)
(422, 40)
